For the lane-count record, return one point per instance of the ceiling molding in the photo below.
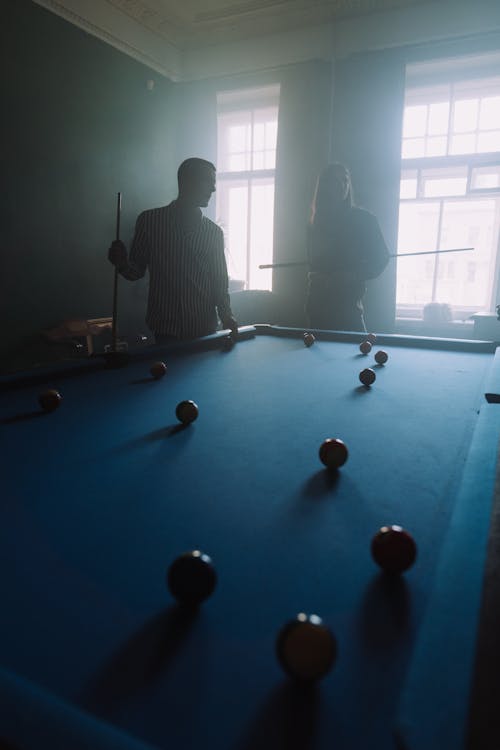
(197, 39)
(167, 24)
(140, 51)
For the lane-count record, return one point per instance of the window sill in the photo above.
(456, 329)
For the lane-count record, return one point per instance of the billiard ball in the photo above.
(309, 339)
(365, 347)
(333, 453)
(367, 376)
(191, 578)
(381, 357)
(306, 648)
(394, 549)
(186, 412)
(50, 400)
(371, 338)
(158, 370)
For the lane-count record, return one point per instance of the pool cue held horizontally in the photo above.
(114, 333)
(392, 255)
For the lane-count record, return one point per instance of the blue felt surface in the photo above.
(99, 496)
(492, 386)
(34, 719)
(435, 700)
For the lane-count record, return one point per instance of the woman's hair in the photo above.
(325, 198)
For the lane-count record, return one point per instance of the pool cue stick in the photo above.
(391, 255)
(431, 252)
(115, 286)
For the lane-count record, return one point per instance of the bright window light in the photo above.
(450, 197)
(247, 139)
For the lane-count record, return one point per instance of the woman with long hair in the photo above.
(345, 249)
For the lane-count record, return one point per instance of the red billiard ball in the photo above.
(50, 400)
(306, 648)
(371, 338)
(333, 453)
(192, 577)
(394, 549)
(186, 412)
(365, 347)
(158, 370)
(381, 357)
(367, 376)
(309, 339)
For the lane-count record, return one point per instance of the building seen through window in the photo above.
(247, 129)
(450, 191)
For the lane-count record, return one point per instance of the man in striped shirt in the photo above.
(184, 253)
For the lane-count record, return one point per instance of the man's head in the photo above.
(196, 180)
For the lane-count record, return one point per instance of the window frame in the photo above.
(426, 92)
(249, 100)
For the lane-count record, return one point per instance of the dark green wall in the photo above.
(78, 125)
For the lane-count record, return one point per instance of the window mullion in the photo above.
(437, 259)
(249, 228)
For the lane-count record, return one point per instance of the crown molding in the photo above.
(110, 26)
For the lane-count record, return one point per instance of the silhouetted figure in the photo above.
(184, 253)
(345, 249)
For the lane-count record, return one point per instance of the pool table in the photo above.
(99, 497)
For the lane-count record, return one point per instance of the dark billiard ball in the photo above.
(367, 376)
(192, 578)
(309, 339)
(381, 357)
(371, 338)
(306, 648)
(333, 453)
(158, 370)
(50, 400)
(186, 412)
(365, 347)
(394, 549)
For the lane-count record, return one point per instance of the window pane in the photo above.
(444, 181)
(474, 271)
(238, 138)
(247, 141)
(414, 121)
(489, 116)
(418, 229)
(272, 132)
(488, 141)
(438, 118)
(259, 136)
(436, 187)
(408, 188)
(436, 146)
(413, 148)
(463, 144)
(465, 115)
(237, 162)
(232, 213)
(258, 160)
(270, 159)
(261, 232)
(485, 177)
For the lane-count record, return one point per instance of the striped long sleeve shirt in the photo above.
(188, 280)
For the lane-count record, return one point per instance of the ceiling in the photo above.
(194, 23)
(198, 39)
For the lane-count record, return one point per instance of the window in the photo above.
(247, 129)
(450, 195)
